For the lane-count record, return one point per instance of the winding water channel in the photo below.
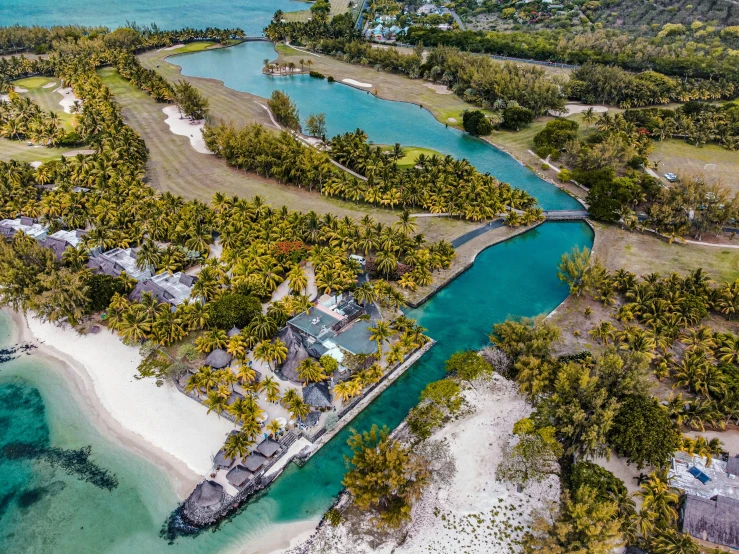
(513, 278)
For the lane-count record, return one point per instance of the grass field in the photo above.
(644, 253)
(19, 150)
(679, 157)
(46, 98)
(174, 166)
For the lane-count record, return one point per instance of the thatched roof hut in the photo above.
(233, 331)
(218, 359)
(221, 461)
(635, 550)
(268, 448)
(254, 461)
(715, 520)
(239, 475)
(207, 494)
(317, 395)
(296, 353)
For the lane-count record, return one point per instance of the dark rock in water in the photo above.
(74, 462)
(11, 353)
(5, 502)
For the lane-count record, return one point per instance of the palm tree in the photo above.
(271, 388)
(298, 280)
(246, 374)
(669, 541)
(299, 409)
(658, 497)
(289, 397)
(604, 331)
(274, 427)
(215, 402)
(406, 224)
(365, 293)
(263, 326)
(344, 390)
(380, 333)
(311, 371)
(589, 117)
(237, 445)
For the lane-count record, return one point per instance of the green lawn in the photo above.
(679, 157)
(19, 150)
(32, 82)
(197, 46)
(411, 155)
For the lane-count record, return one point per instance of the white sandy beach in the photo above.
(68, 98)
(356, 83)
(186, 128)
(159, 421)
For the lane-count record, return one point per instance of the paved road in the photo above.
(459, 21)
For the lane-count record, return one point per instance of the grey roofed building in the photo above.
(218, 359)
(254, 461)
(317, 350)
(695, 475)
(207, 494)
(61, 240)
(356, 338)
(715, 520)
(239, 475)
(732, 466)
(316, 323)
(311, 419)
(116, 261)
(221, 461)
(317, 395)
(268, 448)
(173, 289)
(9, 227)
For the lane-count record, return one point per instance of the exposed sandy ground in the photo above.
(471, 512)
(580, 108)
(439, 89)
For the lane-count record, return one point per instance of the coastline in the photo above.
(113, 426)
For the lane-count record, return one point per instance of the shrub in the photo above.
(188, 351)
(476, 123)
(556, 134)
(233, 310)
(545, 166)
(565, 175)
(101, 290)
(643, 432)
(516, 118)
(334, 517)
(329, 364)
(317, 74)
(331, 79)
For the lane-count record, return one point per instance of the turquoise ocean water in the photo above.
(251, 15)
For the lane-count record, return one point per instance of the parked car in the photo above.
(671, 177)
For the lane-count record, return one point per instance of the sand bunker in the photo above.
(580, 108)
(49, 85)
(356, 83)
(438, 89)
(68, 100)
(186, 128)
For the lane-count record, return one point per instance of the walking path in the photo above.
(467, 237)
(459, 21)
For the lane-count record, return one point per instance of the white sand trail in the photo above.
(356, 83)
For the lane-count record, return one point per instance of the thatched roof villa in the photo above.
(220, 461)
(239, 476)
(318, 394)
(254, 461)
(268, 448)
(207, 494)
(218, 359)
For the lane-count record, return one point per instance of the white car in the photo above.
(671, 177)
(359, 259)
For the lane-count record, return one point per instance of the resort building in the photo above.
(710, 512)
(714, 520)
(332, 327)
(29, 226)
(318, 395)
(61, 240)
(173, 289)
(116, 261)
(695, 476)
